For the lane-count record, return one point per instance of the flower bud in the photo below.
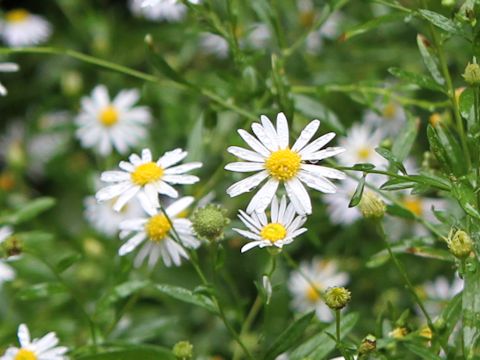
(183, 350)
(398, 333)
(209, 222)
(368, 345)
(371, 206)
(460, 244)
(472, 73)
(12, 246)
(337, 298)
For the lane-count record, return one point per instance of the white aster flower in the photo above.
(169, 10)
(284, 226)
(258, 36)
(153, 3)
(157, 231)
(6, 271)
(214, 44)
(20, 28)
(44, 348)
(307, 294)
(391, 118)
(7, 67)
(142, 175)
(104, 123)
(329, 30)
(360, 144)
(274, 160)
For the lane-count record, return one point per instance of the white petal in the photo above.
(180, 179)
(298, 232)
(114, 176)
(274, 210)
(317, 182)
(268, 141)
(135, 159)
(165, 189)
(282, 130)
(178, 206)
(282, 208)
(247, 234)
(171, 158)
(23, 335)
(111, 191)
(132, 244)
(306, 134)
(146, 156)
(242, 166)
(254, 143)
(125, 165)
(125, 197)
(180, 169)
(251, 245)
(299, 196)
(146, 203)
(250, 222)
(323, 154)
(270, 131)
(263, 197)
(247, 184)
(324, 171)
(245, 154)
(317, 144)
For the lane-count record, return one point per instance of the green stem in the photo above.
(337, 324)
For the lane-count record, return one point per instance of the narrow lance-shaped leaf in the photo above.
(420, 80)
(429, 59)
(404, 141)
(357, 196)
(442, 22)
(387, 154)
(371, 25)
(187, 296)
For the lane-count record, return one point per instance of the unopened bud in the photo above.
(209, 222)
(371, 206)
(337, 298)
(13, 246)
(460, 244)
(472, 73)
(368, 345)
(183, 350)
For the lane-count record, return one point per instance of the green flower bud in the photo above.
(337, 298)
(472, 73)
(12, 246)
(368, 345)
(371, 206)
(460, 244)
(209, 222)
(183, 350)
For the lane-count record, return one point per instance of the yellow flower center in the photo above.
(273, 232)
(17, 15)
(389, 111)
(24, 354)
(307, 18)
(414, 205)
(146, 173)
(364, 153)
(109, 116)
(283, 164)
(312, 294)
(435, 119)
(157, 227)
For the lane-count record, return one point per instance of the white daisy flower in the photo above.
(283, 228)
(104, 123)
(214, 44)
(307, 294)
(390, 120)
(142, 175)
(20, 28)
(169, 10)
(329, 30)
(258, 36)
(44, 348)
(360, 144)
(7, 67)
(153, 3)
(6, 271)
(157, 231)
(274, 160)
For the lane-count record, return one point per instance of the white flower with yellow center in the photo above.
(281, 230)
(274, 160)
(156, 231)
(20, 28)
(214, 44)
(7, 67)
(6, 271)
(147, 178)
(44, 348)
(104, 124)
(390, 118)
(308, 283)
(161, 11)
(360, 144)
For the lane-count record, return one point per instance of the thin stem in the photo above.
(337, 324)
(476, 109)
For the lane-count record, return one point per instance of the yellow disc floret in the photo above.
(16, 15)
(283, 164)
(312, 294)
(364, 153)
(146, 173)
(157, 227)
(389, 111)
(273, 232)
(414, 205)
(108, 116)
(24, 354)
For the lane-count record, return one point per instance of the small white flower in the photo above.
(20, 28)
(153, 3)
(390, 120)
(6, 271)
(214, 44)
(307, 294)
(329, 30)
(157, 231)
(258, 36)
(44, 348)
(273, 159)
(439, 292)
(7, 67)
(169, 10)
(283, 228)
(360, 144)
(104, 123)
(146, 178)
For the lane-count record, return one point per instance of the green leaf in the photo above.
(397, 184)
(466, 197)
(363, 167)
(136, 352)
(371, 25)
(420, 80)
(161, 65)
(466, 103)
(41, 291)
(187, 296)
(67, 261)
(320, 345)
(357, 196)
(289, 337)
(316, 110)
(429, 59)
(443, 22)
(120, 292)
(422, 351)
(29, 211)
(387, 154)
(395, 210)
(195, 140)
(447, 150)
